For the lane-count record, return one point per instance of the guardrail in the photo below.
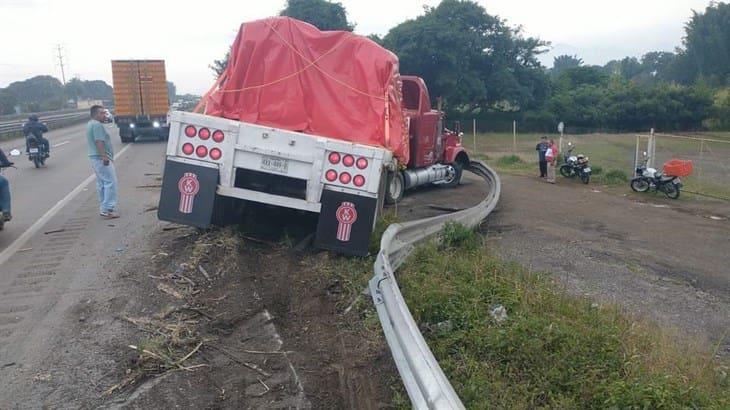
(14, 127)
(425, 382)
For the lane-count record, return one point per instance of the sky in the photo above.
(190, 35)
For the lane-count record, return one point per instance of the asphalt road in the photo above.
(36, 191)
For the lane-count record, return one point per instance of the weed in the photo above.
(454, 235)
(596, 170)
(615, 177)
(553, 350)
(509, 160)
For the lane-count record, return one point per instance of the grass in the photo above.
(554, 350)
(614, 152)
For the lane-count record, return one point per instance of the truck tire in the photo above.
(395, 188)
(455, 178)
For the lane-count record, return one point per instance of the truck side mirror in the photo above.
(457, 127)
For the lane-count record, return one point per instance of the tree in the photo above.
(470, 58)
(575, 77)
(219, 66)
(171, 90)
(39, 93)
(707, 43)
(8, 101)
(564, 62)
(658, 64)
(322, 14)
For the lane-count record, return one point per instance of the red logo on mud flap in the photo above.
(189, 187)
(346, 216)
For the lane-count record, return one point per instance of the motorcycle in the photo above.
(3, 219)
(36, 152)
(575, 165)
(647, 178)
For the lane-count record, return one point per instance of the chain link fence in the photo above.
(613, 151)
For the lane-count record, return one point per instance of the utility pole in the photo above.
(60, 62)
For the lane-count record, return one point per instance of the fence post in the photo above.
(652, 149)
(474, 124)
(636, 156)
(699, 166)
(514, 137)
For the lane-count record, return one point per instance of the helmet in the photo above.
(33, 117)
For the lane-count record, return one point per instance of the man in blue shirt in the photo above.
(4, 191)
(541, 149)
(101, 154)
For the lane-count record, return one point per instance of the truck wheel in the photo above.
(395, 188)
(455, 172)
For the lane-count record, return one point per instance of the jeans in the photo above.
(106, 184)
(4, 195)
(543, 168)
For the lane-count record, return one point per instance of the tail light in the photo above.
(348, 160)
(359, 180)
(190, 131)
(362, 163)
(204, 133)
(218, 136)
(345, 178)
(201, 151)
(188, 148)
(215, 154)
(334, 158)
(331, 175)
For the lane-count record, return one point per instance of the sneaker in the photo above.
(109, 215)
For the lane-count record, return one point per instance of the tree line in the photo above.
(483, 68)
(47, 93)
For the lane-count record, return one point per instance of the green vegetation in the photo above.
(509, 160)
(612, 177)
(552, 350)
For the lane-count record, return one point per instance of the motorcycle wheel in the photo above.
(671, 191)
(586, 178)
(640, 184)
(565, 171)
(36, 161)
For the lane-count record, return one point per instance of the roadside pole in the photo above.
(514, 137)
(474, 130)
(636, 156)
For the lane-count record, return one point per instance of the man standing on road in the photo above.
(541, 149)
(4, 190)
(101, 154)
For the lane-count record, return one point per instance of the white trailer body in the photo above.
(210, 158)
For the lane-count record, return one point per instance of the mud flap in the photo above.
(346, 222)
(188, 194)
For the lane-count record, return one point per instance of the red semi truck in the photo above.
(316, 121)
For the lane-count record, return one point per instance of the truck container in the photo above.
(327, 125)
(141, 101)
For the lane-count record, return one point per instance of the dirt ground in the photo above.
(661, 259)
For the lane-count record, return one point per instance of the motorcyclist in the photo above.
(36, 129)
(4, 189)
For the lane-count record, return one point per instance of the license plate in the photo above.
(275, 164)
(677, 181)
(34, 150)
(587, 170)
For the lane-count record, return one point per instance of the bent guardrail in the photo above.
(425, 382)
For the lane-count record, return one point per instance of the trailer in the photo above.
(141, 100)
(292, 133)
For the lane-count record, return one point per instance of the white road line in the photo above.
(38, 225)
(61, 143)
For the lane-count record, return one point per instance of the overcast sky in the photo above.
(189, 35)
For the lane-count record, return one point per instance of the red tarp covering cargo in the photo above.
(287, 74)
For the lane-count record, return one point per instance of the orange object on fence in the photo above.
(678, 168)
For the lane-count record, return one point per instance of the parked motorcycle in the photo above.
(36, 153)
(647, 178)
(575, 165)
(3, 217)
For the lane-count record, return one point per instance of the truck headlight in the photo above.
(131, 125)
(156, 124)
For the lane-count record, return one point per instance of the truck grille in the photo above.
(271, 183)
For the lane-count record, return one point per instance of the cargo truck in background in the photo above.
(141, 101)
(326, 126)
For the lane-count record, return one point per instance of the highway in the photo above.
(36, 191)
